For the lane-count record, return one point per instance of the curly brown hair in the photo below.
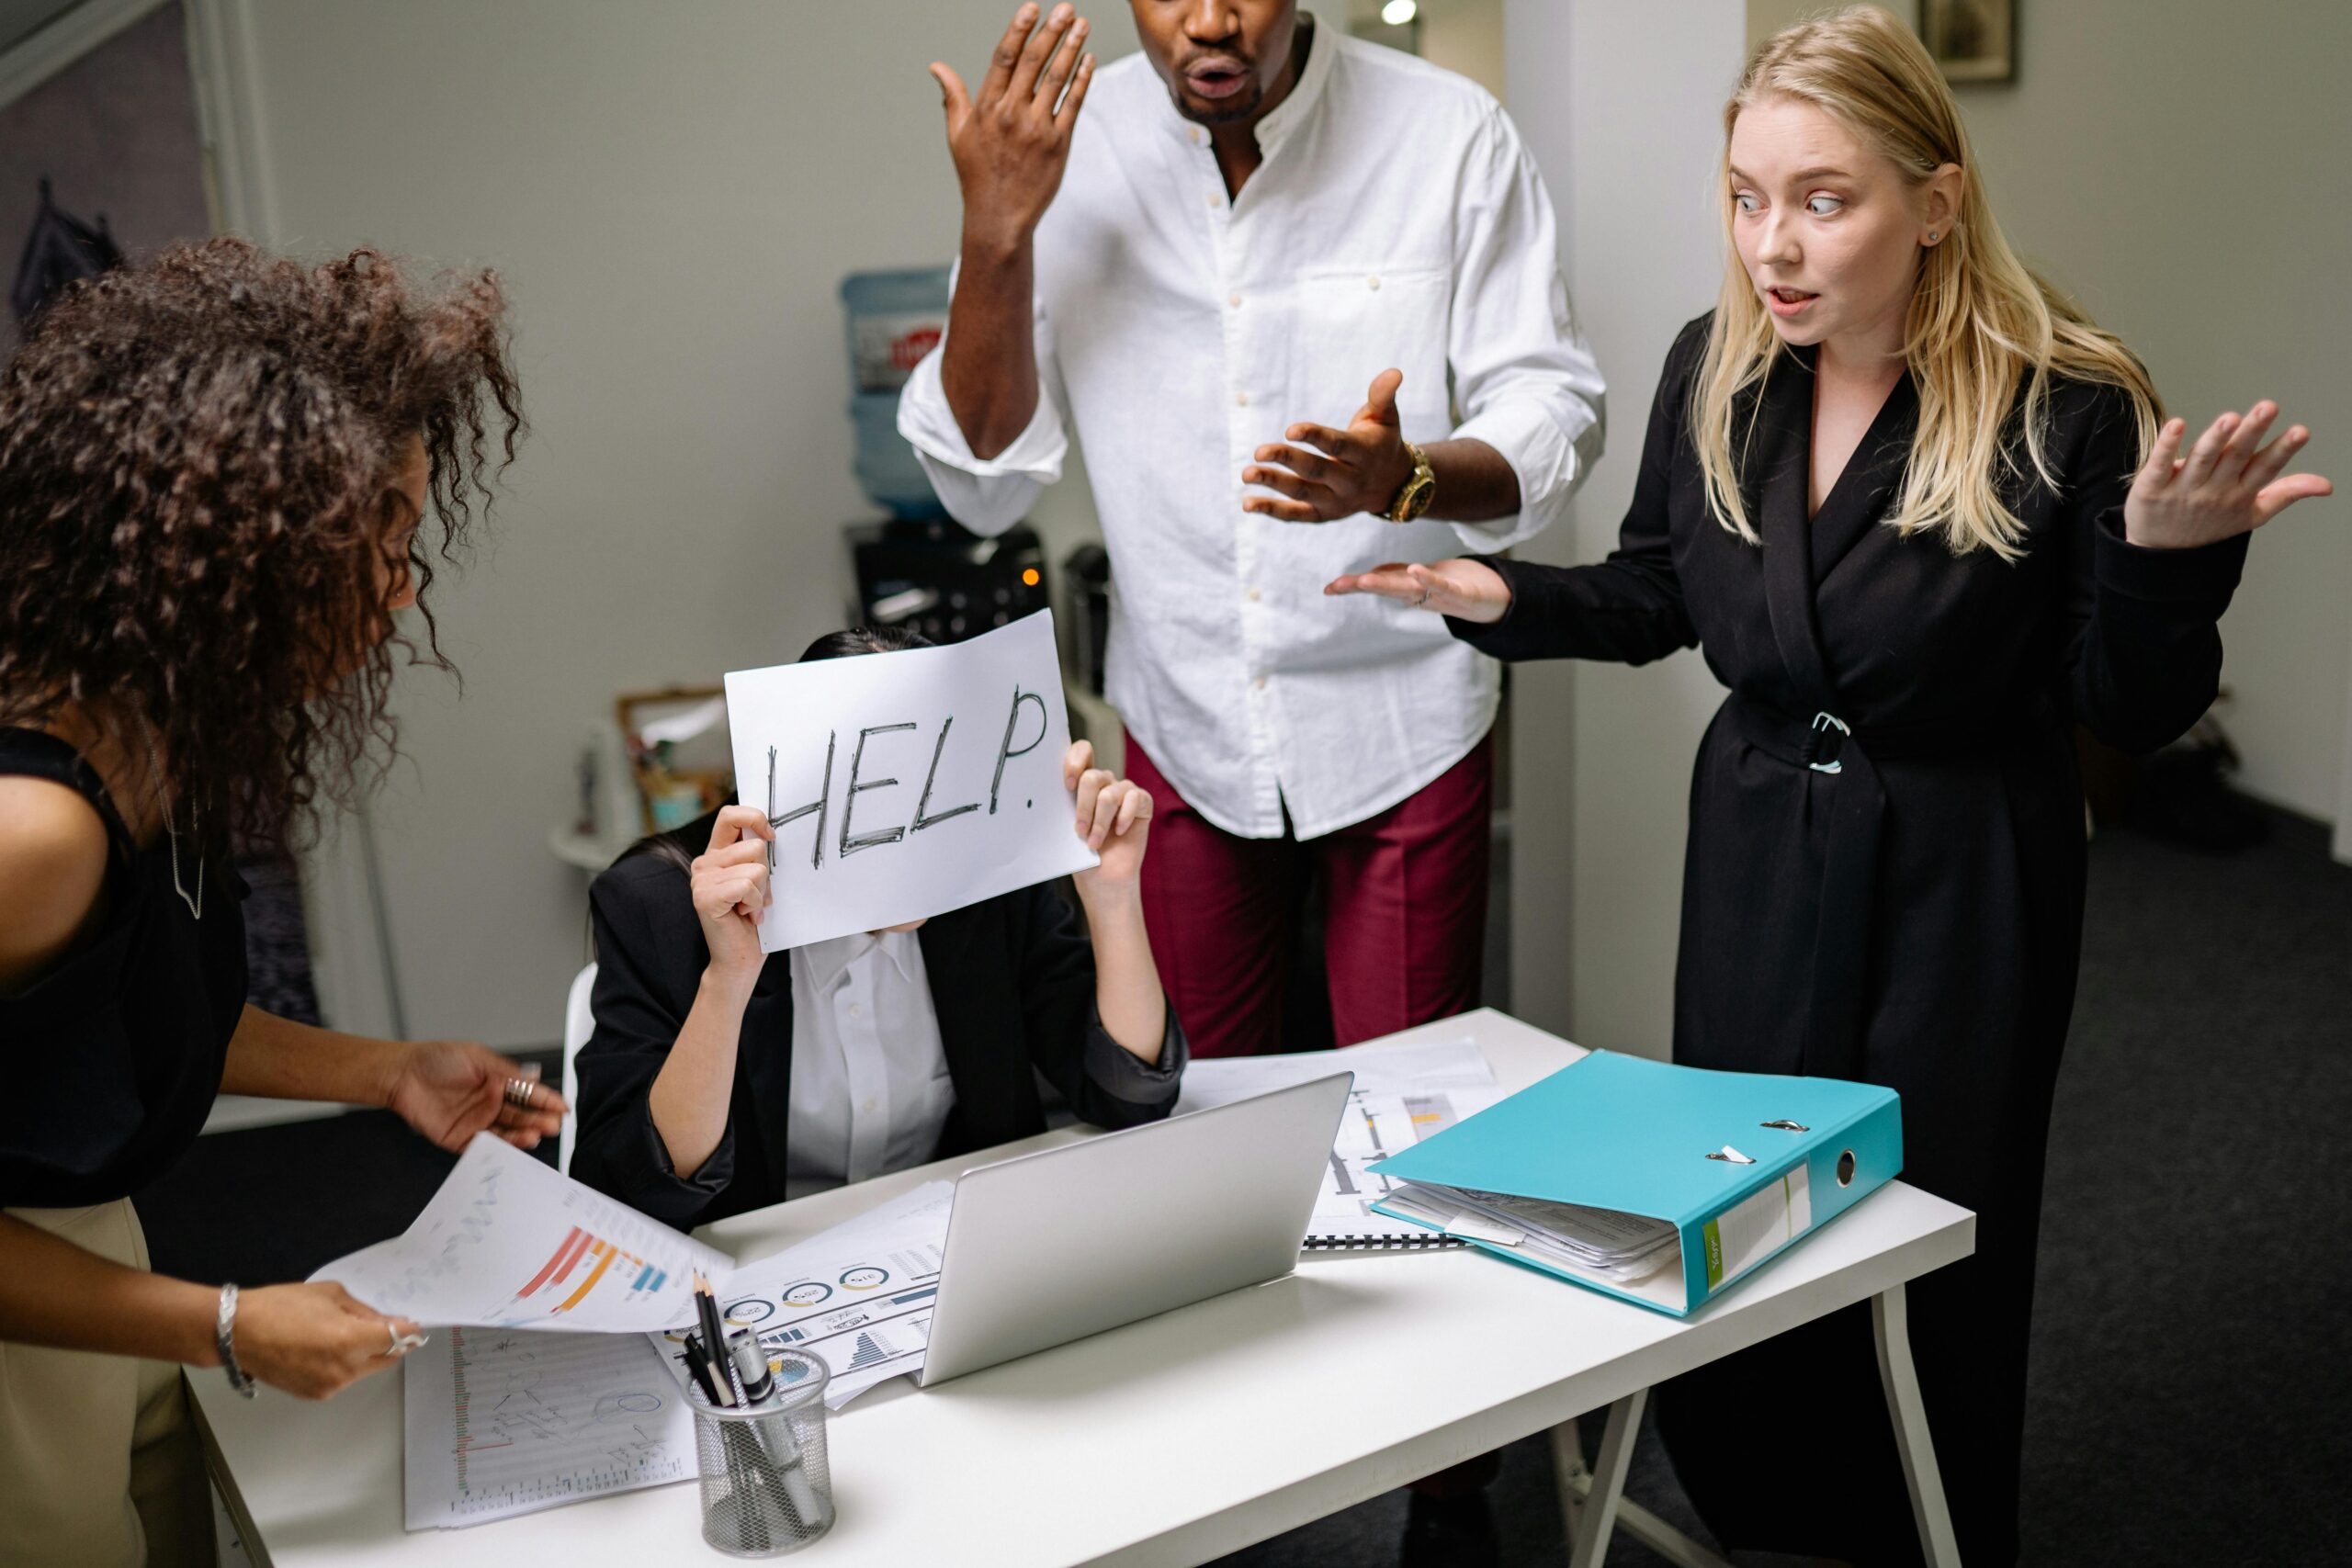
(197, 456)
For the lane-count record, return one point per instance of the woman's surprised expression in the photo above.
(1829, 230)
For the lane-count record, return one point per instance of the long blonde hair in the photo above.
(1978, 319)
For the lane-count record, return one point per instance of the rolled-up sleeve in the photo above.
(987, 495)
(1526, 383)
(1106, 1084)
(1121, 1074)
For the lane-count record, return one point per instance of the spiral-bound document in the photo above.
(1404, 1093)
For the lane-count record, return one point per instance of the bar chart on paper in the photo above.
(580, 1263)
(506, 1421)
(866, 1314)
(507, 1241)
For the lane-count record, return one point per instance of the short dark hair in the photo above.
(863, 640)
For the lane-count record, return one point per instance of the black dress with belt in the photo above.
(110, 1062)
(1884, 879)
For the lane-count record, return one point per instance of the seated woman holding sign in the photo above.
(720, 1079)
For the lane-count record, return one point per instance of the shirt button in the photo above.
(855, 1011)
(1213, 200)
(1260, 683)
(1241, 399)
(1374, 281)
(1234, 300)
(865, 1105)
(1253, 599)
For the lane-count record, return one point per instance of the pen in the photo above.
(698, 1364)
(774, 1436)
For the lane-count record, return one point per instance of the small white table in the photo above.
(1173, 1440)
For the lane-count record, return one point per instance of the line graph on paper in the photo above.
(506, 1421)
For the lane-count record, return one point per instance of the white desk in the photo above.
(1171, 1441)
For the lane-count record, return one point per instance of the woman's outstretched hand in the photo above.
(1467, 590)
(2229, 484)
(450, 1089)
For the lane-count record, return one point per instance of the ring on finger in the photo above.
(518, 1093)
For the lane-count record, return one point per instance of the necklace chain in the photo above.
(156, 776)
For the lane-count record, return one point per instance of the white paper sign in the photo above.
(905, 784)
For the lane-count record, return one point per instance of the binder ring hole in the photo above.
(1845, 1168)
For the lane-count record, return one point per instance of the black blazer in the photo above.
(1012, 978)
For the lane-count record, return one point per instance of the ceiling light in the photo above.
(1396, 13)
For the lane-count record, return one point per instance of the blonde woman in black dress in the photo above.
(1921, 517)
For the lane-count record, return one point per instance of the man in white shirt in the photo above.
(1262, 221)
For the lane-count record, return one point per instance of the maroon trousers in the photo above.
(1404, 930)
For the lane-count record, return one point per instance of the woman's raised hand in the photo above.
(1114, 818)
(450, 1089)
(2229, 484)
(314, 1339)
(730, 890)
(1467, 590)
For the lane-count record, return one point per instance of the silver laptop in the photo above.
(1128, 1224)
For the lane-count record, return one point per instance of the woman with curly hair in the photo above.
(1923, 516)
(216, 471)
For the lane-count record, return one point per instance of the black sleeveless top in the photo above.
(110, 1062)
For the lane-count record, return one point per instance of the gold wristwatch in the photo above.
(1418, 491)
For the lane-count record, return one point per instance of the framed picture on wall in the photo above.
(1974, 40)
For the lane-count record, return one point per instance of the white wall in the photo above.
(2186, 172)
(674, 194)
(1620, 113)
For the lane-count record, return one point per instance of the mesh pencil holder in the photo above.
(766, 1486)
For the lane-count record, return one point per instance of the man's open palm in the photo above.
(1330, 474)
(1011, 140)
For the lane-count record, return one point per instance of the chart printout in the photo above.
(506, 1421)
(506, 1241)
(857, 1297)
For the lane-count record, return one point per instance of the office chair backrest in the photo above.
(578, 1020)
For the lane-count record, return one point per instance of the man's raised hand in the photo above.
(1011, 140)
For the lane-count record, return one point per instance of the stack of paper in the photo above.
(1626, 1248)
(1404, 1093)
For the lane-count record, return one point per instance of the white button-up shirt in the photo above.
(870, 1089)
(1396, 220)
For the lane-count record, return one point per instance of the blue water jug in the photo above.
(895, 318)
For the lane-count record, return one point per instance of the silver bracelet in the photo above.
(223, 1336)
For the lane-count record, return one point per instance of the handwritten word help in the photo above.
(847, 842)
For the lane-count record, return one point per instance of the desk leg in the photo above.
(1890, 1323)
(1577, 1485)
(1589, 1540)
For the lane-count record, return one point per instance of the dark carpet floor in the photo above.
(2193, 1344)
